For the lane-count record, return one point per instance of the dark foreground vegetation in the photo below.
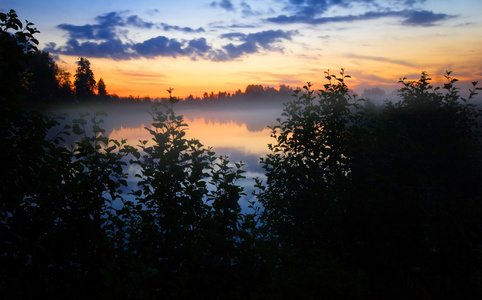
(360, 202)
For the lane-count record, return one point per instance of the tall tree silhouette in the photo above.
(101, 88)
(17, 45)
(84, 81)
(41, 79)
(65, 85)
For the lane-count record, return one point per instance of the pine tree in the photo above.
(84, 82)
(101, 89)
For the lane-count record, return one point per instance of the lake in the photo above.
(240, 133)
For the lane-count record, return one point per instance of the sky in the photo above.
(142, 48)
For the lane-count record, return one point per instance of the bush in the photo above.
(392, 192)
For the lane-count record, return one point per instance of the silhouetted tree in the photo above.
(392, 193)
(65, 85)
(41, 79)
(358, 202)
(84, 81)
(416, 201)
(17, 45)
(101, 88)
(254, 89)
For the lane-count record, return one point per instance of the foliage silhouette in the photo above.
(41, 80)
(360, 202)
(17, 44)
(101, 88)
(84, 81)
(391, 192)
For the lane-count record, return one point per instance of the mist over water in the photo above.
(241, 133)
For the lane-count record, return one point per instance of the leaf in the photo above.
(18, 23)
(97, 129)
(77, 129)
(159, 125)
(81, 121)
(104, 139)
(111, 148)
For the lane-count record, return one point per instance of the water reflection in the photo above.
(227, 136)
(241, 134)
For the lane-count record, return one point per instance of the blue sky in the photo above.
(143, 47)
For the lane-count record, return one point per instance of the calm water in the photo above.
(241, 133)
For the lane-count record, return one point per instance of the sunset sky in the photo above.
(141, 48)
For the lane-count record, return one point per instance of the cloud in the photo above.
(116, 49)
(138, 22)
(239, 25)
(106, 27)
(314, 12)
(423, 18)
(246, 9)
(226, 4)
(198, 47)
(103, 40)
(382, 59)
(158, 46)
(411, 2)
(168, 27)
(311, 8)
(113, 48)
(163, 46)
(110, 19)
(409, 18)
(251, 43)
(153, 12)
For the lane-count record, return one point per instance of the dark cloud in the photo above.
(158, 46)
(410, 2)
(283, 19)
(312, 12)
(168, 27)
(103, 30)
(234, 36)
(409, 17)
(103, 40)
(114, 48)
(311, 8)
(226, 4)
(138, 22)
(80, 32)
(199, 47)
(251, 43)
(106, 27)
(242, 26)
(423, 18)
(111, 19)
(163, 46)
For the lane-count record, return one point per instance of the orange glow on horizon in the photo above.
(152, 77)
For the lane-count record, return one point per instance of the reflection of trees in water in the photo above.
(124, 115)
(128, 115)
(255, 119)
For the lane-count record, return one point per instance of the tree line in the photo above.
(359, 201)
(33, 74)
(44, 82)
